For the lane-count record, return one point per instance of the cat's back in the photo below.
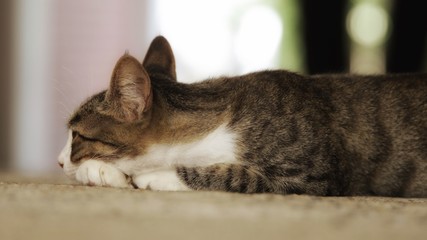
(381, 124)
(397, 101)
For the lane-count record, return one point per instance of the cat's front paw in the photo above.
(98, 173)
(160, 180)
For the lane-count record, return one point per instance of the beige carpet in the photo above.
(51, 208)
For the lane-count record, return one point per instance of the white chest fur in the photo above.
(219, 146)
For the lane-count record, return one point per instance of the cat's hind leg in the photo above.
(98, 173)
(224, 177)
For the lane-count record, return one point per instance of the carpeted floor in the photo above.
(51, 208)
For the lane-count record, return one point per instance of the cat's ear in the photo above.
(159, 58)
(130, 93)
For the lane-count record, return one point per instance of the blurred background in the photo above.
(55, 54)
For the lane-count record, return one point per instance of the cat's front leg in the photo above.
(98, 173)
(160, 180)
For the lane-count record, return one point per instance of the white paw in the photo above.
(160, 180)
(98, 173)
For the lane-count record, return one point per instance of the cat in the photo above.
(264, 132)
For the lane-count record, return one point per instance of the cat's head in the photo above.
(112, 125)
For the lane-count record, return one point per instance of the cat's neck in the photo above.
(185, 112)
(206, 96)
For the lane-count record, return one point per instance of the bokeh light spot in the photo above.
(258, 38)
(367, 24)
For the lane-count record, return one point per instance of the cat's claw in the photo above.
(160, 180)
(98, 173)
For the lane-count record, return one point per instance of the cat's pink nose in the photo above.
(61, 165)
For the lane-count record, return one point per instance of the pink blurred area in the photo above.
(63, 52)
(88, 37)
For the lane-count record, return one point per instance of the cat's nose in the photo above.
(61, 165)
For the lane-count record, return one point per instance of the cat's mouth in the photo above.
(69, 170)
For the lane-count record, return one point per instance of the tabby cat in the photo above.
(264, 132)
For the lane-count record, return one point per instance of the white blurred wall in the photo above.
(31, 98)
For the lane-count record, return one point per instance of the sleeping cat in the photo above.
(264, 132)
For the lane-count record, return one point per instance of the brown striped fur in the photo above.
(319, 135)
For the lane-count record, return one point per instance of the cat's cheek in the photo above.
(160, 180)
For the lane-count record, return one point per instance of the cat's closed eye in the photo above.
(76, 134)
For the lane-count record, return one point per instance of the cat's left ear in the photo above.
(130, 93)
(160, 58)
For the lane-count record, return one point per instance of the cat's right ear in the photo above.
(160, 58)
(130, 93)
